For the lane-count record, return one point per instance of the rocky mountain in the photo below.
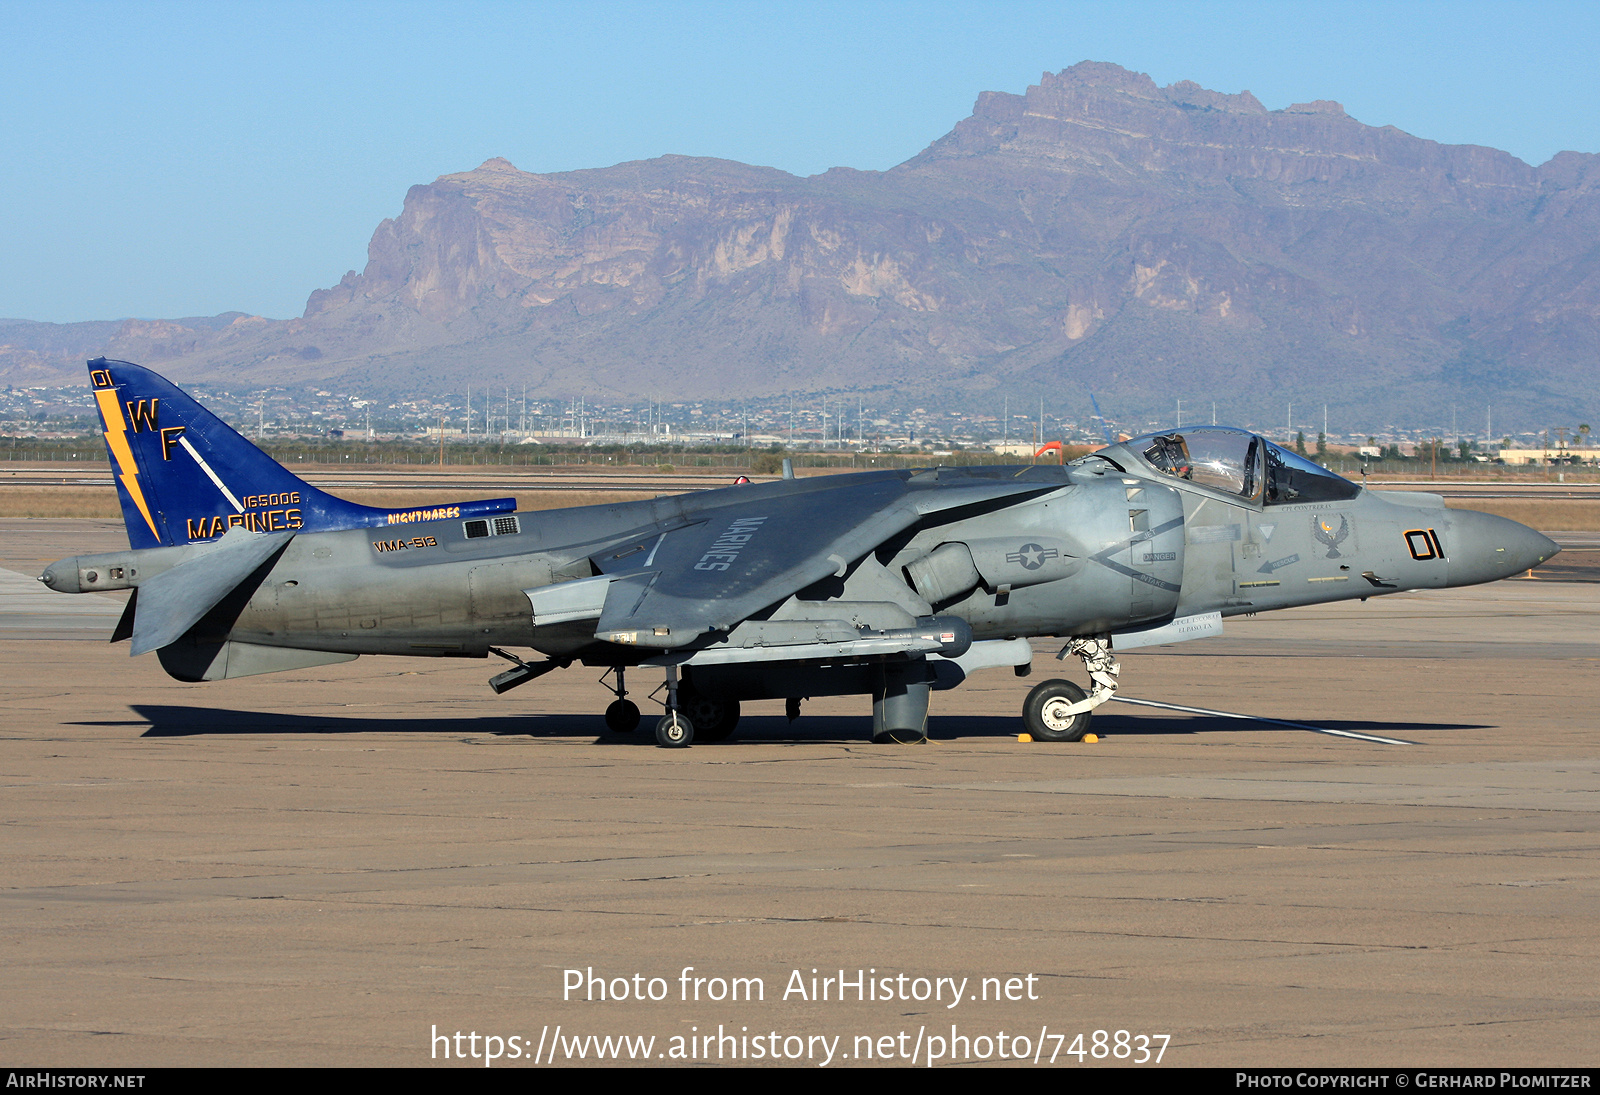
(1095, 233)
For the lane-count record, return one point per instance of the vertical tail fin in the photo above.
(185, 475)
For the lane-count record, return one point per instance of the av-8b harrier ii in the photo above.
(889, 584)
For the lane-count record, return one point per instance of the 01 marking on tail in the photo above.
(889, 584)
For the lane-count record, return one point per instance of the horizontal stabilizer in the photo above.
(175, 600)
(195, 662)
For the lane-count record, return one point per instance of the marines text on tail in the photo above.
(889, 584)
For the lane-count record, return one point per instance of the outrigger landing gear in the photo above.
(703, 718)
(1057, 710)
(622, 717)
(674, 731)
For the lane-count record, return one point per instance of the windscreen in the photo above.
(1293, 478)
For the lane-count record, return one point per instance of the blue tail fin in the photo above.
(184, 475)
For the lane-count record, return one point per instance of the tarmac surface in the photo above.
(333, 866)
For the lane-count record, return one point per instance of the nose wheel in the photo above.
(1053, 711)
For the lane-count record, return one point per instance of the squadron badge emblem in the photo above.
(1329, 538)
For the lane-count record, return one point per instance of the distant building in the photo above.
(1550, 456)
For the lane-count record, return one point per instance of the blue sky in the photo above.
(172, 159)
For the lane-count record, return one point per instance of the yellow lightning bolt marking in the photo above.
(117, 438)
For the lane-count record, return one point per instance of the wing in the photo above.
(747, 548)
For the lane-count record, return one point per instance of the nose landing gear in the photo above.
(1057, 710)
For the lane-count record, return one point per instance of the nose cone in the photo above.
(1487, 547)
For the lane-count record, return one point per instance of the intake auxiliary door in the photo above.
(1154, 559)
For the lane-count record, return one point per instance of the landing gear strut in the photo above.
(622, 717)
(1057, 710)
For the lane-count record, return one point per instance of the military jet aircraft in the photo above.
(890, 584)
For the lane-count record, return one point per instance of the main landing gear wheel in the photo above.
(713, 720)
(1046, 713)
(674, 731)
(622, 717)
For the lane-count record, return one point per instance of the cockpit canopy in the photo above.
(1241, 464)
